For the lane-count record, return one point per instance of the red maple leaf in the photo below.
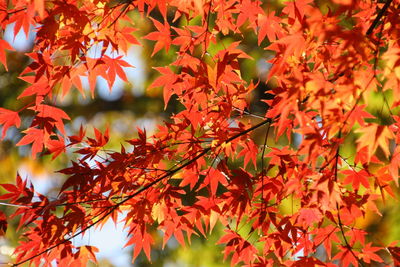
(162, 36)
(356, 178)
(114, 67)
(54, 115)
(8, 118)
(56, 146)
(3, 224)
(3, 59)
(36, 137)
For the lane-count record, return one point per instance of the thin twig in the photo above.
(263, 168)
(378, 17)
(338, 208)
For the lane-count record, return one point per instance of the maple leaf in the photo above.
(326, 235)
(190, 178)
(3, 59)
(96, 68)
(359, 114)
(308, 261)
(14, 192)
(375, 135)
(8, 118)
(95, 144)
(56, 146)
(362, 157)
(242, 250)
(213, 178)
(288, 46)
(17, 190)
(39, 87)
(141, 242)
(72, 77)
(114, 67)
(356, 178)
(296, 9)
(346, 257)
(269, 27)
(126, 39)
(55, 115)
(162, 36)
(368, 254)
(249, 151)
(184, 39)
(394, 165)
(35, 136)
(87, 253)
(39, 7)
(75, 139)
(308, 216)
(23, 20)
(127, 33)
(249, 11)
(3, 224)
(167, 79)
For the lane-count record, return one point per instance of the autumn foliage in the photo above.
(204, 166)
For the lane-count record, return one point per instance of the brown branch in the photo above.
(378, 17)
(263, 169)
(14, 11)
(347, 245)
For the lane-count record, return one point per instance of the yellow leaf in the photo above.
(157, 212)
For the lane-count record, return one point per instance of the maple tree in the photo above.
(204, 166)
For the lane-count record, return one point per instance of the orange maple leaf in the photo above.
(373, 136)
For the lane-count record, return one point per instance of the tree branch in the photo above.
(378, 17)
(347, 245)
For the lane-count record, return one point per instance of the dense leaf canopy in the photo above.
(290, 181)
